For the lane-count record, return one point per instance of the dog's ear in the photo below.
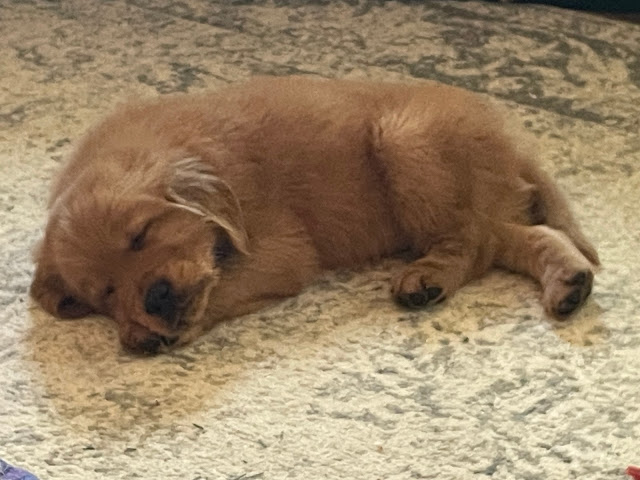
(50, 291)
(194, 187)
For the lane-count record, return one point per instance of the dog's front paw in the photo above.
(421, 298)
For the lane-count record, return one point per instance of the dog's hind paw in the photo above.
(568, 292)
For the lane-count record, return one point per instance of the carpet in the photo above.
(337, 382)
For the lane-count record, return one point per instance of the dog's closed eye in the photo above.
(137, 242)
(223, 247)
(71, 307)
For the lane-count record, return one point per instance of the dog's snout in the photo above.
(161, 301)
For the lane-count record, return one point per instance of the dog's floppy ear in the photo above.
(50, 291)
(194, 187)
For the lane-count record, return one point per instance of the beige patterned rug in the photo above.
(338, 383)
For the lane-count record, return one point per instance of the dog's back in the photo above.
(331, 151)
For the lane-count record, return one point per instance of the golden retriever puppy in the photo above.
(174, 213)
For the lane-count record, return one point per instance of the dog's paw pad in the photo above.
(581, 278)
(578, 287)
(421, 298)
(570, 303)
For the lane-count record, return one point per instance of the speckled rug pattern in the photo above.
(338, 382)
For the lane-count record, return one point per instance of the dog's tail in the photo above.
(554, 209)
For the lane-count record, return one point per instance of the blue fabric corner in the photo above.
(8, 472)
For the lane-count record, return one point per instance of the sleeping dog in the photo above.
(174, 213)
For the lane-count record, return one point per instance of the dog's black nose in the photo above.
(161, 301)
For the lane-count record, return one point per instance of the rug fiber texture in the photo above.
(337, 383)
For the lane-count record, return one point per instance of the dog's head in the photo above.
(142, 240)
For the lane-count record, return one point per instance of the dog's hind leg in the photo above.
(546, 254)
(551, 205)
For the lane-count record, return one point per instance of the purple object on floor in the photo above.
(8, 472)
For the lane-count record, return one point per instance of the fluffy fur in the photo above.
(174, 213)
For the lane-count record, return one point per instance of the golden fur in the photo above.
(176, 212)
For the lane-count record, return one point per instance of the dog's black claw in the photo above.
(581, 284)
(418, 299)
(412, 300)
(570, 303)
(433, 292)
(421, 298)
